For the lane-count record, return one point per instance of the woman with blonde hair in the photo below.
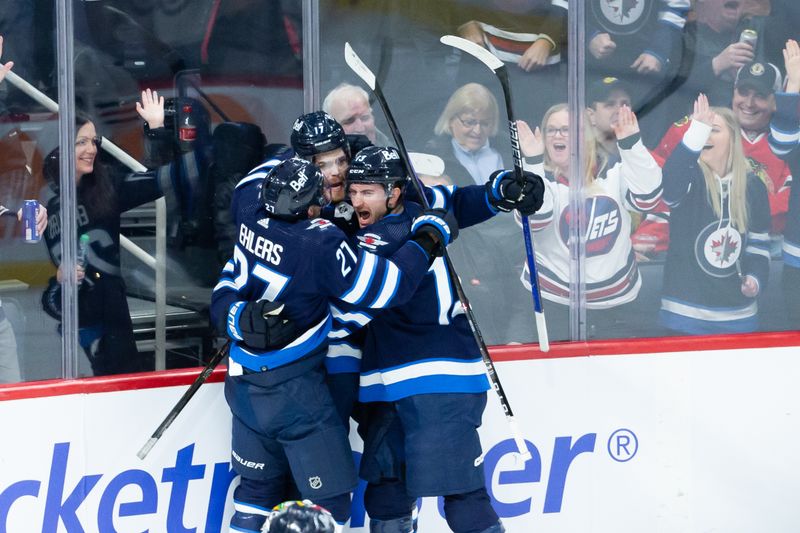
(463, 130)
(718, 261)
(610, 190)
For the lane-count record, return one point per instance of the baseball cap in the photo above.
(601, 89)
(761, 76)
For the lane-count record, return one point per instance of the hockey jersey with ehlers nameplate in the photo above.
(303, 265)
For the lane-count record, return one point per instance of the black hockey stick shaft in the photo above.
(499, 69)
(358, 66)
(216, 359)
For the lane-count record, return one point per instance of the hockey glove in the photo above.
(258, 325)
(357, 142)
(506, 193)
(434, 229)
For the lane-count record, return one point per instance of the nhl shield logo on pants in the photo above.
(315, 482)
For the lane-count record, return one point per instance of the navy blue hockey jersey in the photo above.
(424, 345)
(303, 265)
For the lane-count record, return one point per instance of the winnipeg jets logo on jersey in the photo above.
(717, 249)
(622, 16)
(320, 223)
(371, 241)
(603, 225)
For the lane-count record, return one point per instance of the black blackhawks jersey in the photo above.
(303, 265)
(424, 345)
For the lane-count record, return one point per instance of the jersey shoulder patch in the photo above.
(320, 224)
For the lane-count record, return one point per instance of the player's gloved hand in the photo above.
(506, 193)
(259, 325)
(357, 142)
(434, 229)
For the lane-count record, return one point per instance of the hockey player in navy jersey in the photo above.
(422, 378)
(284, 423)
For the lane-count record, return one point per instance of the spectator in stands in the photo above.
(753, 105)
(605, 98)
(611, 188)
(9, 360)
(718, 259)
(349, 106)
(785, 141)
(103, 192)
(712, 54)
(490, 256)
(531, 38)
(463, 130)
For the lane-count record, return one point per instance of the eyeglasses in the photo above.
(551, 132)
(472, 122)
(351, 120)
(83, 142)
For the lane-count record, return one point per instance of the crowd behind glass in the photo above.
(690, 222)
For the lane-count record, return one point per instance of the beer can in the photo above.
(29, 210)
(749, 36)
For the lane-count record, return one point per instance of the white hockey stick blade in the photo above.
(146, 448)
(522, 448)
(358, 66)
(541, 328)
(475, 50)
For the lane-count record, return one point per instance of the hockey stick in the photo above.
(499, 69)
(216, 359)
(361, 70)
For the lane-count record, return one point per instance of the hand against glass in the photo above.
(791, 61)
(702, 111)
(151, 108)
(530, 142)
(627, 124)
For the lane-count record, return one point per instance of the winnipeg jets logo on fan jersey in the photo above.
(717, 249)
(603, 225)
(622, 16)
(371, 241)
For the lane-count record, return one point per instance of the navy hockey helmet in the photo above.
(378, 164)
(299, 517)
(291, 188)
(317, 133)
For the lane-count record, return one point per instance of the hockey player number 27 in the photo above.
(274, 281)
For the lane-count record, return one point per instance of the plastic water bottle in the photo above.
(83, 255)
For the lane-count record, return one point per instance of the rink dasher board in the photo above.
(673, 442)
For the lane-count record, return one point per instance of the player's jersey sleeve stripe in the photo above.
(307, 343)
(366, 272)
(233, 320)
(225, 284)
(391, 281)
(438, 199)
(791, 254)
(342, 317)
